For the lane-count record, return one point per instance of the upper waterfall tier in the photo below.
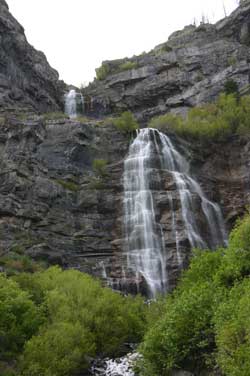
(74, 104)
(150, 155)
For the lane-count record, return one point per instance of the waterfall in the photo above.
(144, 239)
(74, 104)
(151, 154)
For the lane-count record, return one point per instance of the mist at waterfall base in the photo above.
(150, 154)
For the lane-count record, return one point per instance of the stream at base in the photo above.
(115, 367)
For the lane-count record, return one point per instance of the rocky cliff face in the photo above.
(53, 205)
(189, 69)
(26, 79)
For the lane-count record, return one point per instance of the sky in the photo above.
(77, 35)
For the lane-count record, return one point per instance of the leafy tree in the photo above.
(58, 350)
(232, 322)
(19, 318)
(105, 318)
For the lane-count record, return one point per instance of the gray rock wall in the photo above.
(53, 207)
(26, 79)
(189, 69)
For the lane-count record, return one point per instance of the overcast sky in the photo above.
(77, 35)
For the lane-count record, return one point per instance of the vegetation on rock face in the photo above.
(231, 87)
(54, 116)
(216, 121)
(68, 185)
(100, 167)
(128, 65)
(54, 321)
(126, 123)
(105, 69)
(204, 323)
(102, 72)
(16, 262)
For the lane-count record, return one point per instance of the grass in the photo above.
(54, 116)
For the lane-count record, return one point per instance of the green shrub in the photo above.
(102, 72)
(58, 350)
(100, 167)
(19, 318)
(217, 121)
(231, 87)
(68, 185)
(236, 264)
(128, 65)
(83, 320)
(232, 323)
(126, 123)
(162, 50)
(232, 60)
(168, 122)
(15, 263)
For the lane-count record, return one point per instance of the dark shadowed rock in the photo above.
(26, 79)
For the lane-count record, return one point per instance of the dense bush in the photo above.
(232, 321)
(19, 318)
(205, 322)
(126, 123)
(229, 115)
(82, 319)
(59, 349)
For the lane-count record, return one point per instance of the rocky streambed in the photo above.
(123, 366)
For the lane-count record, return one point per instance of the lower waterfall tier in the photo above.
(151, 155)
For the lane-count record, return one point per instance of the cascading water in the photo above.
(74, 103)
(144, 238)
(150, 154)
